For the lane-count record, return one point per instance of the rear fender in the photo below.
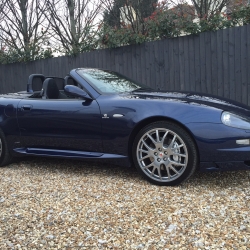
(9, 123)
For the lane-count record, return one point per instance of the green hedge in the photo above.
(168, 24)
(160, 25)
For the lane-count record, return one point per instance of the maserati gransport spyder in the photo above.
(100, 114)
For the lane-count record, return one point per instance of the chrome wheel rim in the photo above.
(1, 148)
(162, 155)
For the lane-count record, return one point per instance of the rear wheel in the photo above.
(164, 153)
(5, 157)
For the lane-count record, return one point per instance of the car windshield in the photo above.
(110, 82)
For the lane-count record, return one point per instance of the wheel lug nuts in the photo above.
(165, 159)
(156, 154)
(159, 149)
(165, 152)
(159, 159)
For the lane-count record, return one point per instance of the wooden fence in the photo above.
(211, 62)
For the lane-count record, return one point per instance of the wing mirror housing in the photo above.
(77, 92)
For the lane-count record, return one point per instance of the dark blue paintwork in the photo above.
(86, 127)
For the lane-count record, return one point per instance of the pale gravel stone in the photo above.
(51, 237)
(102, 241)
(64, 204)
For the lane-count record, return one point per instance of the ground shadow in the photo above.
(105, 169)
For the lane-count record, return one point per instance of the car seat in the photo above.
(50, 90)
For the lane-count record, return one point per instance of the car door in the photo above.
(69, 124)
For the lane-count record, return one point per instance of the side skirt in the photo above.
(66, 153)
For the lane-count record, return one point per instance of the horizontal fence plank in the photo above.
(211, 62)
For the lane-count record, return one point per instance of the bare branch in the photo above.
(71, 21)
(21, 22)
(204, 8)
(129, 13)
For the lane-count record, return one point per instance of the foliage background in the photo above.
(155, 22)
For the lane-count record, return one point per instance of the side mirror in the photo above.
(77, 92)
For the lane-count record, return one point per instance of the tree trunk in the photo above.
(71, 8)
(23, 8)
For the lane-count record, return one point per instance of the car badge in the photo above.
(105, 116)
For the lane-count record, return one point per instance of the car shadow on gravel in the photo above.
(94, 167)
(73, 166)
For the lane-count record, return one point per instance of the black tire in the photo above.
(5, 157)
(169, 149)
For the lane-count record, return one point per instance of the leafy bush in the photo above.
(241, 16)
(113, 37)
(13, 56)
(167, 24)
(162, 23)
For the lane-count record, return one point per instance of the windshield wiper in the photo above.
(142, 89)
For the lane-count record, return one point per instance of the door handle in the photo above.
(26, 107)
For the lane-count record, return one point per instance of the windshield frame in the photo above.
(140, 85)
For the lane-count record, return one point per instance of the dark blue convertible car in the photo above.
(100, 114)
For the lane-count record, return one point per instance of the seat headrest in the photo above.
(35, 82)
(50, 89)
(59, 81)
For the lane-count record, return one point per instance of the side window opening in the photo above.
(36, 86)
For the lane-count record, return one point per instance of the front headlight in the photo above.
(235, 121)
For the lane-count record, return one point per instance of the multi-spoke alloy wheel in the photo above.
(164, 153)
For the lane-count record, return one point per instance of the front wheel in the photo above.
(164, 154)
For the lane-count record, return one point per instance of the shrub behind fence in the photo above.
(211, 62)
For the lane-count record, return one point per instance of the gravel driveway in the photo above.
(64, 204)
